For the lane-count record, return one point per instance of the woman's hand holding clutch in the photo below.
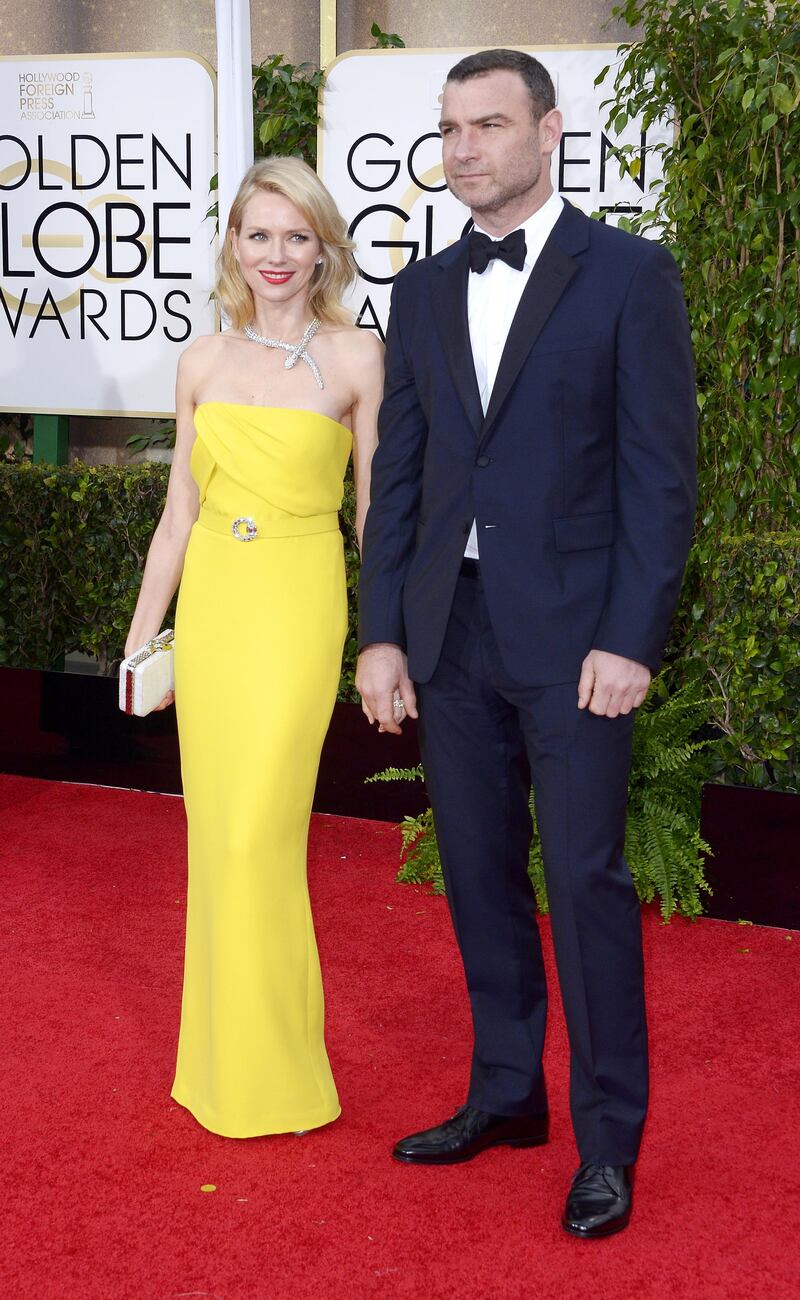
(147, 677)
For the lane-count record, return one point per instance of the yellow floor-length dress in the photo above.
(259, 633)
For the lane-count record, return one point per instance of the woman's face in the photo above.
(276, 248)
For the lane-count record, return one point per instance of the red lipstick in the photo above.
(276, 277)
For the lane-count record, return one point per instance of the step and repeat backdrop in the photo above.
(380, 156)
(106, 258)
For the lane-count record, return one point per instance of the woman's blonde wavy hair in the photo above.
(296, 181)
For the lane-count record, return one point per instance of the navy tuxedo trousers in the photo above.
(483, 737)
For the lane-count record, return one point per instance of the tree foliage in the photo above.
(728, 76)
(285, 109)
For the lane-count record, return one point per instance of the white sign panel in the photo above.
(380, 156)
(106, 259)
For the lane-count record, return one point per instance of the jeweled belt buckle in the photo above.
(250, 529)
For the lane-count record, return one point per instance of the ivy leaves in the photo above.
(386, 40)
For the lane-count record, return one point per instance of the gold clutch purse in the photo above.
(147, 675)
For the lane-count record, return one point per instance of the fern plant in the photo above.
(663, 844)
(419, 852)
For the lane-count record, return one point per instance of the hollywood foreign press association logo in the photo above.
(56, 94)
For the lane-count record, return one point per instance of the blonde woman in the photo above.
(268, 413)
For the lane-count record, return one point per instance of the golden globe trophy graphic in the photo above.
(88, 95)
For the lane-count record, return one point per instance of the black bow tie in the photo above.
(510, 250)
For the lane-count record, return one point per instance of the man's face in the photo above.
(492, 150)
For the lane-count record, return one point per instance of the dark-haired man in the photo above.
(532, 504)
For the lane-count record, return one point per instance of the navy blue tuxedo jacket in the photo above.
(581, 475)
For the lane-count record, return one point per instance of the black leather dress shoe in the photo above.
(599, 1201)
(469, 1132)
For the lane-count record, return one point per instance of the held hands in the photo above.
(611, 685)
(387, 692)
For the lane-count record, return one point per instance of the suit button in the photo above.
(483, 461)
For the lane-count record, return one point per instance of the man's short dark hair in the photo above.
(533, 73)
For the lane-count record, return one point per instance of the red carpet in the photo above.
(102, 1173)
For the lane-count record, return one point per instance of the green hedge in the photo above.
(74, 540)
(738, 630)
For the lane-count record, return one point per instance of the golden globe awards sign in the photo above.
(106, 261)
(380, 156)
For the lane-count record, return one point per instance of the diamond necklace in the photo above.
(297, 351)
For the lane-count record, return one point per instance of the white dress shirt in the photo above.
(492, 300)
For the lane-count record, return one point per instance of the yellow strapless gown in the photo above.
(260, 628)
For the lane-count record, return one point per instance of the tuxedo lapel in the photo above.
(547, 281)
(553, 271)
(450, 310)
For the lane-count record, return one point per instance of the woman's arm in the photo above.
(164, 565)
(368, 367)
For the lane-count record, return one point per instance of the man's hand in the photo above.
(611, 685)
(384, 684)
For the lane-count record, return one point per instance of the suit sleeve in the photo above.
(656, 420)
(395, 487)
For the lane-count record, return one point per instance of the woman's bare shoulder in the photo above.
(199, 350)
(206, 350)
(360, 344)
